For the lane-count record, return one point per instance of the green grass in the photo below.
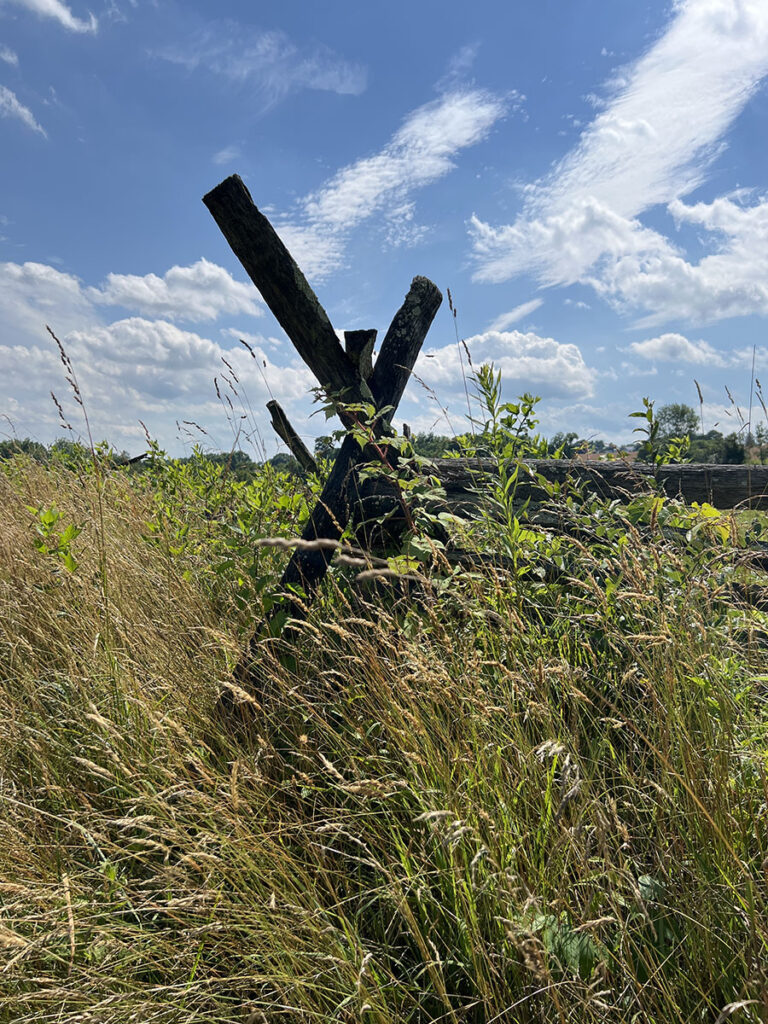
(504, 798)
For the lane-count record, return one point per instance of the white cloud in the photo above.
(33, 294)
(132, 369)
(150, 370)
(317, 250)
(563, 247)
(227, 155)
(420, 152)
(677, 348)
(401, 230)
(9, 57)
(731, 281)
(10, 106)
(650, 144)
(507, 319)
(202, 291)
(527, 362)
(59, 12)
(266, 61)
(459, 66)
(156, 361)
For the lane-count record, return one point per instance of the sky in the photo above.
(587, 177)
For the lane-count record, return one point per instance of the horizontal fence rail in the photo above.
(721, 486)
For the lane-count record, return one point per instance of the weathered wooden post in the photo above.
(348, 377)
(283, 428)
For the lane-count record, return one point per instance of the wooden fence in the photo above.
(349, 378)
(725, 487)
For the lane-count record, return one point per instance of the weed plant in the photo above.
(533, 789)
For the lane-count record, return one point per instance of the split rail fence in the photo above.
(349, 377)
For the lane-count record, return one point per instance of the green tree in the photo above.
(285, 463)
(707, 447)
(25, 446)
(433, 446)
(734, 451)
(677, 420)
(761, 437)
(569, 443)
(325, 448)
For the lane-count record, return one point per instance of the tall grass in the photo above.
(530, 790)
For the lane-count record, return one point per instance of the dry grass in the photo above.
(501, 802)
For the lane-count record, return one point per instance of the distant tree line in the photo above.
(675, 420)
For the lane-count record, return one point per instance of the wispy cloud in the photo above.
(11, 106)
(420, 152)
(202, 291)
(501, 323)
(652, 143)
(227, 155)
(459, 66)
(9, 57)
(59, 12)
(266, 60)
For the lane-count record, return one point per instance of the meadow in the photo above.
(529, 785)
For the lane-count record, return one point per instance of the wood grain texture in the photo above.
(284, 288)
(399, 350)
(284, 429)
(721, 486)
(359, 348)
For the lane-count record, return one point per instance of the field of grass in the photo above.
(529, 790)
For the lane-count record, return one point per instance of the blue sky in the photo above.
(588, 177)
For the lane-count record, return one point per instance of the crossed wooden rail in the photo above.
(345, 375)
(348, 377)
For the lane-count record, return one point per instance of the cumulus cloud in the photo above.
(651, 144)
(202, 291)
(420, 152)
(144, 370)
(59, 12)
(730, 281)
(9, 57)
(33, 294)
(528, 362)
(266, 61)
(677, 348)
(10, 106)
(160, 363)
(507, 319)
(136, 367)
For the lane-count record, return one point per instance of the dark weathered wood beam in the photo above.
(284, 288)
(721, 486)
(402, 342)
(359, 348)
(284, 429)
(399, 350)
